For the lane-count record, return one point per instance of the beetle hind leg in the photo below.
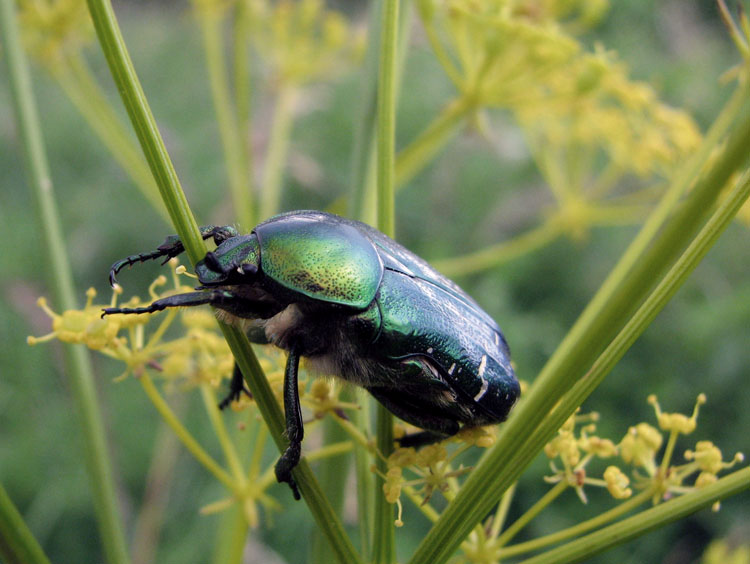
(415, 410)
(236, 388)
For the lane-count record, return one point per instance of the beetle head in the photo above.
(235, 261)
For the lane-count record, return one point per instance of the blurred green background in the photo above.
(700, 343)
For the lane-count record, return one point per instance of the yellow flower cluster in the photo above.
(301, 41)
(639, 448)
(200, 354)
(433, 468)
(54, 27)
(576, 448)
(586, 122)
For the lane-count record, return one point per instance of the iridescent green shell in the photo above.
(319, 257)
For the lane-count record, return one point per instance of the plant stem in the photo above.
(533, 511)
(415, 156)
(325, 517)
(386, 125)
(161, 166)
(645, 521)
(278, 148)
(502, 252)
(146, 129)
(211, 19)
(594, 329)
(242, 97)
(17, 544)
(78, 83)
(578, 529)
(77, 361)
(184, 435)
(384, 550)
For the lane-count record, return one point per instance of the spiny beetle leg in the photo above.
(214, 297)
(172, 247)
(236, 388)
(294, 429)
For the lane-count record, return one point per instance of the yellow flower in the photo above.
(639, 446)
(677, 422)
(617, 483)
(303, 42)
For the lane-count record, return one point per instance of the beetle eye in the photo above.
(213, 263)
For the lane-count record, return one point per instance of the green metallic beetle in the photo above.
(359, 306)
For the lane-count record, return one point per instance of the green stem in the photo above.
(242, 97)
(386, 124)
(227, 446)
(263, 395)
(278, 148)
(578, 529)
(161, 166)
(78, 83)
(645, 521)
(184, 435)
(502, 252)
(362, 205)
(77, 361)
(384, 549)
(533, 511)
(17, 544)
(146, 129)
(366, 489)
(513, 449)
(211, 20)
(415, 156)
(332, 472)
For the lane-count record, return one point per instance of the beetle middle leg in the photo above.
(294, 428)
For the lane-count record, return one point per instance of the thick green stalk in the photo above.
(359, 206)
(77, 361)
(146, 129)
(211, 19)
(384, 549)
(578, 350)
(333, 472)
(17, 544)
(645, 521)
(386, 124)
(361, 203)
(143, 121)
(325, 517)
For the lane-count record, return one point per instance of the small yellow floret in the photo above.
(617, 483)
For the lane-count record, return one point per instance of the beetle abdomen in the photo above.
(421, 319)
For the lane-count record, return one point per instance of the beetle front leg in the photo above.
(212, 297)
(294, 428)
(172, 247)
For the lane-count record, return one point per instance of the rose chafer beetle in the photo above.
(359, 306)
